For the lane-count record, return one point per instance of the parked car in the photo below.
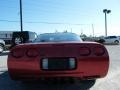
(111, 40)
(58, 55)
(2, 45)
(22, 37)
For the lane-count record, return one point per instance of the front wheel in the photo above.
(116, 42)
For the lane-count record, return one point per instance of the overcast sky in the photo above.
(43, 16)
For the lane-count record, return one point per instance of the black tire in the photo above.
(88, 83)
(16, 40)
(1, 48)
(116, 42)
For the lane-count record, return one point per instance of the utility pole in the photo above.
(21, 22)
(106, 12)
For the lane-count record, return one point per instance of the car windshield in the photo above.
(57, 37)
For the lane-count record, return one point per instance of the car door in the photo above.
(113, 39)
(108, 39)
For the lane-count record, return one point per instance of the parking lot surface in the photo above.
(110, 82)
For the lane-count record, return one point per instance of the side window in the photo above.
(111, 37)
(107, 37)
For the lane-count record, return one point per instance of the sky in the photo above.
(47, 16)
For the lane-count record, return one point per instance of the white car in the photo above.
(111, 40)
(2, 45)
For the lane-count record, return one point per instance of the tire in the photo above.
(116, 42)
(18, 40)
(88, 83)
(1, 48)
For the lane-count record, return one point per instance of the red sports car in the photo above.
(58, 55)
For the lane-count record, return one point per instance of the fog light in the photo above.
(72, 63)
(45, 63)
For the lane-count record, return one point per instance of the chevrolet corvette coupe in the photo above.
(58, 55)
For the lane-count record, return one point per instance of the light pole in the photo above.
(106, 12)
(21, 22)
(93, 30)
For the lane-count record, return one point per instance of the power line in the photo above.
(13, 21)
(8, 21)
